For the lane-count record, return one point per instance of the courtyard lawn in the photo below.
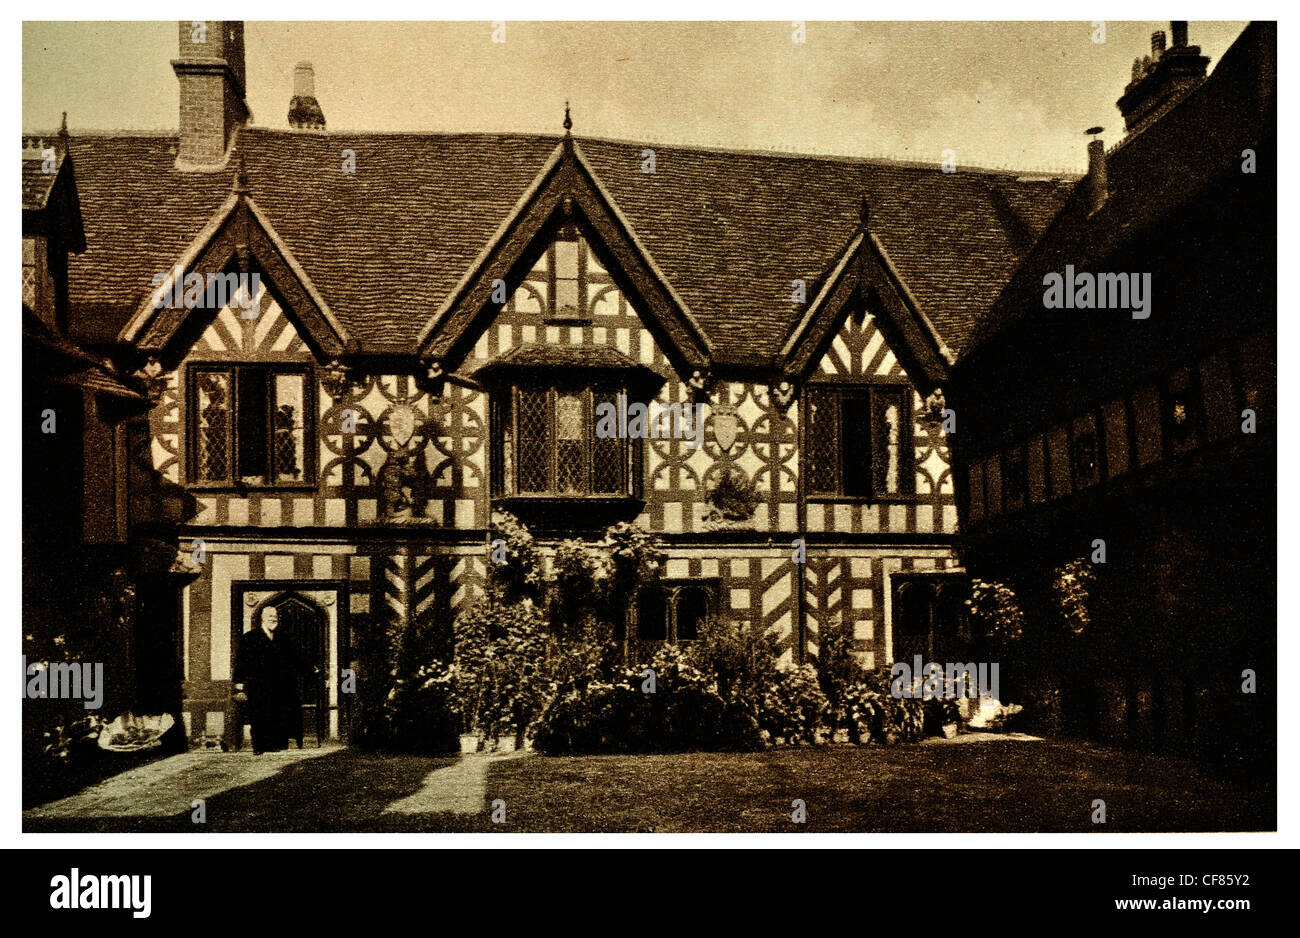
(999, 785)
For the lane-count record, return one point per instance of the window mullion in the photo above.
(552, 439)
(588, 442)
(272, 470)
(511, 485)
(232, 462)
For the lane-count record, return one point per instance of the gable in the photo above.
(565, 196)
(865, 282)
(537, 314)
(265, 335)
(238, 241)
(729, 230)
(859, 352)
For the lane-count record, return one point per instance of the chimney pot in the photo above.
(1162, 79)
(304, 80)
(304, 110)
(1097, 184)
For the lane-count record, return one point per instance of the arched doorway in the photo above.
(304, 627)
(929, 617)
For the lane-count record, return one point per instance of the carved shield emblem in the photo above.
(400, 423)
(725, 425)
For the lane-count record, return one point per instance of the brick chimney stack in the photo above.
(1163, 79)
(210, 70)
(304, 110)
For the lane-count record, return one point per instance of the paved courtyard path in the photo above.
(455, 789)
(169, 786)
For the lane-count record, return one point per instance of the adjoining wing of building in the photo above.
(437, 319)
(1150, 436)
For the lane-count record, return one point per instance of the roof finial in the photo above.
(864, 214)
(63, 133)
(568, 121)
(241, 175)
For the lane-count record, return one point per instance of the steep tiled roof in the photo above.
(1153, 173)
(573, 356)
(36, 184)
(385, 245)
(75, 366)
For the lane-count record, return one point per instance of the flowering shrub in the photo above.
(409, 706)
(874, 714)
(683, 712)
(500, 680)
(583, 573)
(515, 565)
(1073, 585)
(996, 613)
(635, 559)
(417, 713)
(794, 709)
(838, 668)
(580, 607)
(740, 659)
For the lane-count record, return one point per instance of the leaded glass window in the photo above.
(250, 425)
(546, 443)
(30, 272)
(565, 278)
(858, 442)
(212, 406)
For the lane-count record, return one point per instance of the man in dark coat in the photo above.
(266, 671)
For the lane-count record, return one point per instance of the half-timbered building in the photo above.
(83, 572)
(1144, 440)
(437, 321)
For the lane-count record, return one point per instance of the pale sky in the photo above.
(1015, 95)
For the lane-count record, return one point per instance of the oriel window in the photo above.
(546, 443)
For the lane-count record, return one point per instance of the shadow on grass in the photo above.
(999, 786)
(343, 791)
(43, 782)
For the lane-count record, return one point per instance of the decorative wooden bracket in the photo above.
(783, 393)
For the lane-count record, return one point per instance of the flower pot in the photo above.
(950, 731)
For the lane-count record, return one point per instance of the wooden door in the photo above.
(304, 626)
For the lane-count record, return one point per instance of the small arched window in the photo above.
(675, 612)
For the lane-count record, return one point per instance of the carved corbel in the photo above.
(335, 379)
(434, 380)
(783, 393)
(155, 382)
